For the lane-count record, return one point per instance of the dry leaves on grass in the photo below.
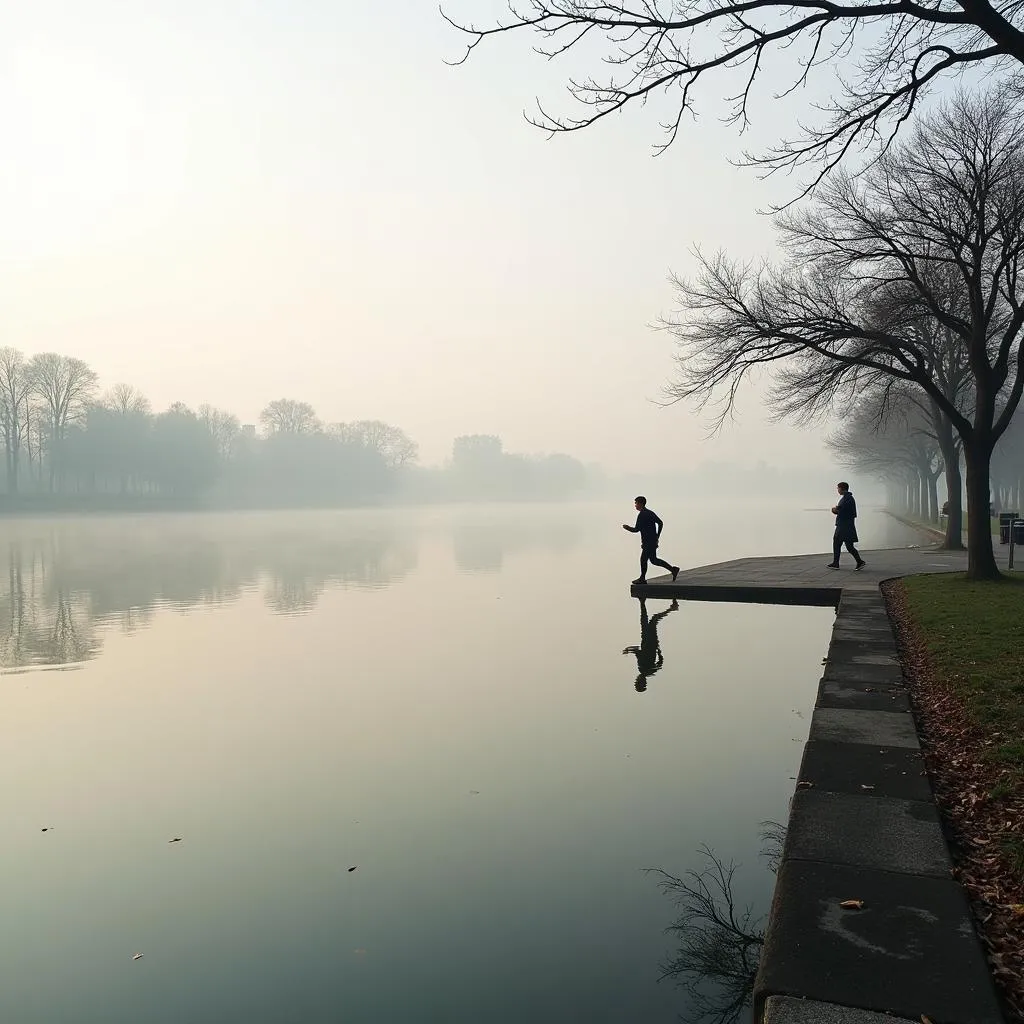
(981, 825)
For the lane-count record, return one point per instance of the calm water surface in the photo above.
(439, 699)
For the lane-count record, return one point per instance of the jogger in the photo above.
(649, 526)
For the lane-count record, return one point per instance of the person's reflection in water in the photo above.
(649, 658)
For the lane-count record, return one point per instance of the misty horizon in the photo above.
(208, 216)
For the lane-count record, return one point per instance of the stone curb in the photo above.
(863, 827)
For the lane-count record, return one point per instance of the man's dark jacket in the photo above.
(846, 518)
(647, 525)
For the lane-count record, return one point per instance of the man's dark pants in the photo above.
(841, 537)
(650, 554)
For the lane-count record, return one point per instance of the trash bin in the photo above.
(1018, 532)
(1005, 519)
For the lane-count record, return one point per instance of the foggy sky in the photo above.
(231, 202)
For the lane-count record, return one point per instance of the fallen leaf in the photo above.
(852, 904)
(353, 868)
(45, 830)
(138, 956)
(176, 840)
(805, 785)
(862, 786)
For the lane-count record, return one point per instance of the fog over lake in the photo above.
(437, 698)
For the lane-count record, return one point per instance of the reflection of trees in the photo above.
(481, 540)
(64, 577)
(42, 622)
(300, 567)
(720, 943)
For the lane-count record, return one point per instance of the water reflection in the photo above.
(482, 539)
(66, 576)
(62, 579)
(649, 658)
(42, 624)
(719, 942)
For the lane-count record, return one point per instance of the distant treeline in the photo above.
(66, 446)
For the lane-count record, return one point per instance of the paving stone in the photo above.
(910, 950)
(838, 693)
(864, 652)
(878, 728)
(885, 674)
(850, 767)
(881, 633)
(867, 830)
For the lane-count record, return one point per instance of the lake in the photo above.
(436, 698)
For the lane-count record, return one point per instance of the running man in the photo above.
(649, 526)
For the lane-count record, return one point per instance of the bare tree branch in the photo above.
(668, 49)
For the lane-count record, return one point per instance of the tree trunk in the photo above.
(954, 494)
(981, 559)
(933, 497)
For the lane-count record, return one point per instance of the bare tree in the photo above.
(224, 427)
(15, 391)
(287, 416)
(34, 432)
(951, 199)
(126, 400)
(808, 390)
(1008, 467)
(891, 52)
(64, 385)
(394, 446)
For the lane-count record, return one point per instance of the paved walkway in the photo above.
(805, 579)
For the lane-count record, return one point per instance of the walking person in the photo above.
(845, 511)
(649, 526)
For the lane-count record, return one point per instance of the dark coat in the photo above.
(648, 525)
(846, 519)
